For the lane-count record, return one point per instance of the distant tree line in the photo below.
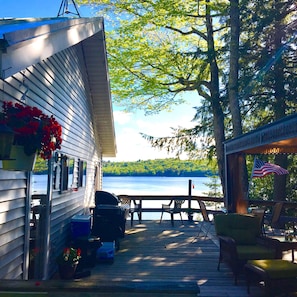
(41, 166)
(158, 167)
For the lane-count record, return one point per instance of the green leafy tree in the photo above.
(160, 167)
(160, 50)
(269, 50)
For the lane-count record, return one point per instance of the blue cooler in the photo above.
(106, 252)
(80, 226)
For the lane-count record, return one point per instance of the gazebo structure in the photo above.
(279, 137)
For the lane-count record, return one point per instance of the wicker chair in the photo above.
(273, 223)
(241, 240)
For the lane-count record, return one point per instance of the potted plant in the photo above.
(68, 262)
(34, 132)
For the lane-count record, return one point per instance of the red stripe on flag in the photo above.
(262, 169)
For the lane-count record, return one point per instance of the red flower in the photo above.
(78, 252)
(36, 131)
(70, 256)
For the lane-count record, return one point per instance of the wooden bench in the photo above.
(279, 276)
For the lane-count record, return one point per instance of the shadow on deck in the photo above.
(154, 260)
(153, 253)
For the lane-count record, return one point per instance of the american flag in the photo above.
(264, 168)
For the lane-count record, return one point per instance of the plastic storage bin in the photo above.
(80, 226)
(106, 252)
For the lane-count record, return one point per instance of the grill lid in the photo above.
(102, 197)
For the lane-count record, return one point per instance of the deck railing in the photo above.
(216, 204)
(191, 203)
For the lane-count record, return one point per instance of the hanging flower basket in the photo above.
(35, 131)
(19, 160)
(6, 140)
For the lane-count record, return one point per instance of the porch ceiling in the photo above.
(276, 138)
(287, 146)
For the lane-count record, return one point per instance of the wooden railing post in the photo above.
(190, 214)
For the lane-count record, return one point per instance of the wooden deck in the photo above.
(154, 255)
(154, 260)
(173, 259)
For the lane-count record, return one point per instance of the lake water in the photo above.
(155, 185)
(144, 185)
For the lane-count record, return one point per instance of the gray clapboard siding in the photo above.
(64, 207)
(9, 227)
(79, 140)
(12, 218)
(11, 267)
(72, 110)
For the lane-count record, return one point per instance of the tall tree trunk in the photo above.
(218, 115)
(279, 192)
(233, 87)
(233, 74)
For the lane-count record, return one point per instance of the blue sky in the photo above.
(130, 145)
(36, 8)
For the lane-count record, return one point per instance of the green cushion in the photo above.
(248, 252)
(276, 268)
(244, 229)
(241, 236)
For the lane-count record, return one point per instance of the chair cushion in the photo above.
(243, 236)
(248, 252)
(244, 229)
(277, 268)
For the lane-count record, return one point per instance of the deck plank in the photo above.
(152, 252)
(154, 260)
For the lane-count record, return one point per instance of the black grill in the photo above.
(109, 219)
(102, 197)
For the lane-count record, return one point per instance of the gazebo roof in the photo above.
(276, 138)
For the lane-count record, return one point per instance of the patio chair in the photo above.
(126, 203)
(260, 213)
(273, 222)
(207, 222)
(175, 210)
(241, 240)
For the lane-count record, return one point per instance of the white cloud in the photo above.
(131, 146)
(121, 117)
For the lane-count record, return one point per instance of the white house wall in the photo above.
(59, 86)
(12, 222)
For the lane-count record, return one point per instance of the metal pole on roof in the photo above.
(64, 8)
